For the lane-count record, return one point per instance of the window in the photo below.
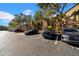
(70, 30)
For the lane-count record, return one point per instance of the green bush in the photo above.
(49, 27)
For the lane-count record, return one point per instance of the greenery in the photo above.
(3, 27)
(49, 27)
(21, 21)
(52, 13)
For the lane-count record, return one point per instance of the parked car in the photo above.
(32, 32)
(10, 29)
(51, 35)
(17, 30)
(70, 36)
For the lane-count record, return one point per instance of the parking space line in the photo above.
(59, 46)
(72, 47)
(38, 37)
(56, 40)
(77, 48)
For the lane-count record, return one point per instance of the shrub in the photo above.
(49, 27)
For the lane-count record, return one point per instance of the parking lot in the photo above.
(19, 44)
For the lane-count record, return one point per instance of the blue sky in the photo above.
(8, 10)
(15, 8)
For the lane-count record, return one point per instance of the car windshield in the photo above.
(70, 30)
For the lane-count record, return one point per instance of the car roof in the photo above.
(70, 28)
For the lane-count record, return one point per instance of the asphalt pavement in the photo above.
(19, 44)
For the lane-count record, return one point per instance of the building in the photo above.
(71, 20)
(73, 13)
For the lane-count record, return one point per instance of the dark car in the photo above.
(11, 30)
(32, 32)
(17, 30)
(70, 36)
(50, 35)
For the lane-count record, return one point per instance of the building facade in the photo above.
(74, 16)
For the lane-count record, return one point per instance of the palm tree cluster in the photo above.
(52, 13)
(21, 21)
(54, 9)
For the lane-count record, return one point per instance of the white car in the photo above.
(70, 35)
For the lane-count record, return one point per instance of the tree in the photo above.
(13, 24)
(57, 8)
(47, 11)
(20, 21)
(39, 19)
(3, 27)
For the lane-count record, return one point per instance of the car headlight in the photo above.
(65, 37)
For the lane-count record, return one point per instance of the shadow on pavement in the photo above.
(51, 36)
(75, 45)
(54, 38)
(31, 34)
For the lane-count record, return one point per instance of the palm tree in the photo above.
(47, 11)
(57, 9)
(39, 19)
(13, 24)
(25, 20)
(20, 21)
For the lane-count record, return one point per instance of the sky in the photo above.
(8, 10)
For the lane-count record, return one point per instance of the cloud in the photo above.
(6, 16)
(28, 12)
